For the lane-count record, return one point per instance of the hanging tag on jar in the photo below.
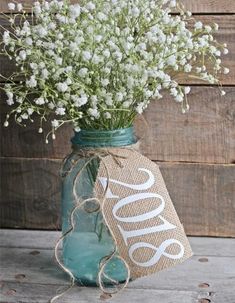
(139, 212)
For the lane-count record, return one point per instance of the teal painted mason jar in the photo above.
(90, 241)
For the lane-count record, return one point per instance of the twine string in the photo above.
(104, 262)
(91, 154)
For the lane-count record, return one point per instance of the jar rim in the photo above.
(104, 130)
(104, 138)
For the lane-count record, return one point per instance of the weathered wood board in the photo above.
(203, 195)
(209, 6)
(41, 293)
(30, 193)
(206, 134)
(198, 6)
(18, 238)
(30, 275)
(225, 34)
(50, 274)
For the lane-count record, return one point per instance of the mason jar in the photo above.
(90, 241)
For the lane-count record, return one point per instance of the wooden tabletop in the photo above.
(28, 274)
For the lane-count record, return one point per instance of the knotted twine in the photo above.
(131, 215)
(91, 154)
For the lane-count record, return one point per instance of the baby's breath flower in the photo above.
(86, 55)
(223, 93)
(104, 60)
(107, 115)
(25, 116)
(93, 112)
(11, 6)
(60, 111)
(119, 97)
(75, 10)
(90, 6)
(179, 98)
(10, 102)
(37, 8)
(58, 60)
(106, 53)
(216, 26)
(45, 73)
(40, 101)
(19, 7)
(208, 28)
(9, 95)
(83, 72)
(6, 123)
(62, 87)
(140, 108)
(32, 82)
(104, 82)
(187, 68)
(77, 128)
(96, 59)
(29, 41)
(22, 55)
(225, 51)
(30, 111)
(6, 38)
(187, 90)
(198, 25)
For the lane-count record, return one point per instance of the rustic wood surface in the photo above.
(198, 6)
(203, 195)
(209, 6)
(22, 238)
(30, 275)
(30, 193)
(199, 149)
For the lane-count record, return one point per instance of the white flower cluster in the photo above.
(99, 63)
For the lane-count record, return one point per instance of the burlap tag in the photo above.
(140, 214)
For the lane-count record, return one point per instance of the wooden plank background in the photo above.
(197, 7)
(210, 273)
(196, 151)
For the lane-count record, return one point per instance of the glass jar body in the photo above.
(90, 241)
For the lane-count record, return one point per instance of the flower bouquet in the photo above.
(96, 65)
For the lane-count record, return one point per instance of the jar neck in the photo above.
(104, 138)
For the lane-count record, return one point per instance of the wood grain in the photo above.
(203, 196)
(170, 279)
(225, 34)
(198, 6)
(18, 238)
(206, 134)
(30, 195)
(209, 6)
(32, 277)
(41, 293)
(31, 187)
